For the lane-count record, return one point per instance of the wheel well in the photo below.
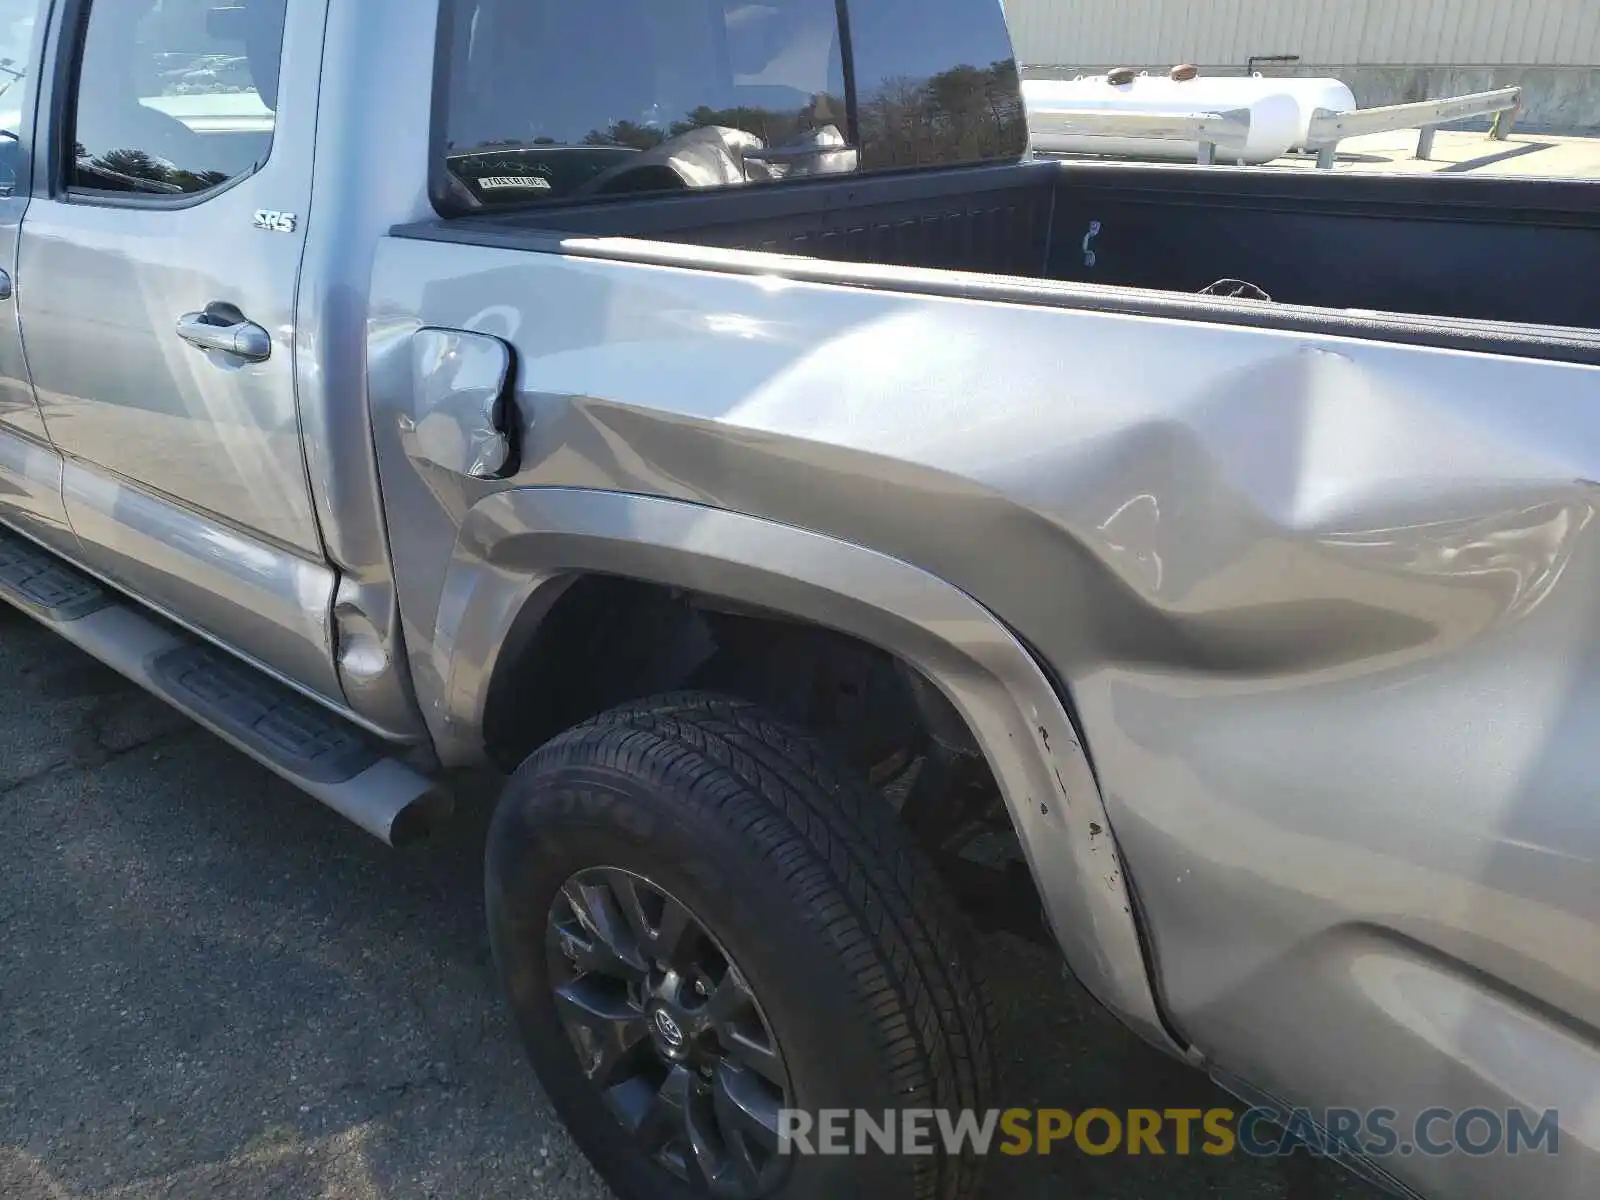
(608, 640)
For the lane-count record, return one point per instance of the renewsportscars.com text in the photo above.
(1257, 1132)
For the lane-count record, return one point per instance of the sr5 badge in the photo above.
(276, 222)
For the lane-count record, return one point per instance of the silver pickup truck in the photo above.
(842, 531)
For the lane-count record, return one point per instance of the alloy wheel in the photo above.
(668, 1029)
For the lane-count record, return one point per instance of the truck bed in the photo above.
(1499, 251)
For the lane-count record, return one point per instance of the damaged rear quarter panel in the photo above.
(1325, 607)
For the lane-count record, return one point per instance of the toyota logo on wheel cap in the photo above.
(670, 1031)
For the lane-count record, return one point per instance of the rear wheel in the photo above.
(702, 921)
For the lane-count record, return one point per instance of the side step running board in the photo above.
(310, 746)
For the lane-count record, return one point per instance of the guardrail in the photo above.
(1329, 128)
(1218, 134)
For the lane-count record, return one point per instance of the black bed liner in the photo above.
(1506, 265)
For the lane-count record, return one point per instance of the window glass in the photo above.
(175, 96)
(1448, 89)
(935, 87)
(17, 21)
(552, 99)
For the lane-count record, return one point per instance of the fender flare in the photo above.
(520, 547)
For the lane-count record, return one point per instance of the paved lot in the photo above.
(212, 987)
(1461, 152)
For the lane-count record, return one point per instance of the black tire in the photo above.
(854, 952)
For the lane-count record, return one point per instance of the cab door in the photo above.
(157, 279)
(30, 469)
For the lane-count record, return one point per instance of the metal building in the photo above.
(1388, 51)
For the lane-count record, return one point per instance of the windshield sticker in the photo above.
(532, 183)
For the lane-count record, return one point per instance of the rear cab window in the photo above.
(936, 84)
(173, 97)
(546, 101)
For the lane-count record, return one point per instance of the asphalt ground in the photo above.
(1462, 152)
(210, 986)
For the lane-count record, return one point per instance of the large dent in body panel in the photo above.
(1187, 568)
(1305, 586)
(1312, 467)
(1301, 509)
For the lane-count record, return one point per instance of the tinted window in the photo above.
(935, 83)
(175, 96)
(554, 99)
